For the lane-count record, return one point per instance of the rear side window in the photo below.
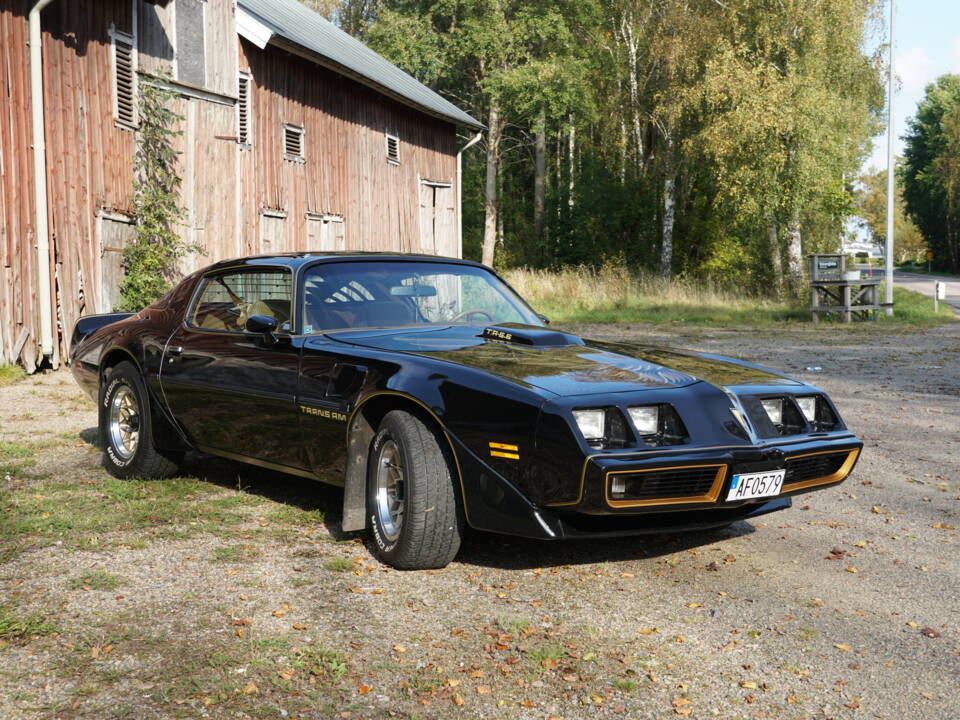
(227, 300)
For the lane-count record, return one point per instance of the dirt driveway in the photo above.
(229, 593)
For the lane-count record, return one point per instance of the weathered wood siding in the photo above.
(17, 260)
(345, 171)
(238, 199)
(89, 163)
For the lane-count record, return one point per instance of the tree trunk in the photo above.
(631, 43)
(571, 163)
(776, 261)
(539, 175)
(490, 203)
(669, 202)
(794, 257)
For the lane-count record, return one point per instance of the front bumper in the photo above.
(492, 503)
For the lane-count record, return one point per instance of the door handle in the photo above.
(174, 350)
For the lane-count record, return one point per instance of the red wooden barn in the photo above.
(295, 136)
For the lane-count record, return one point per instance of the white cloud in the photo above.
(916, 70)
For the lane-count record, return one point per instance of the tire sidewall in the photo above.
(385, 547)
(120, 377)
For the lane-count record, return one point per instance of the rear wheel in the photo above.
(126, 433)
(416, 521)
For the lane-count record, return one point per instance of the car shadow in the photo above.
(504, 552)
(483, 549)
(303, 493)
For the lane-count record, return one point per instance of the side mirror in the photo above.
(544, 319)
(262, 325)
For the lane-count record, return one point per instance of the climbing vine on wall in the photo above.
(150, 261)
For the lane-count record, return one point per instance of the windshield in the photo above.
(395, 294)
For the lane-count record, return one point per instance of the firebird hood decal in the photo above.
(571, 369)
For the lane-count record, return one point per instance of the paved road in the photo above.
(924, 284)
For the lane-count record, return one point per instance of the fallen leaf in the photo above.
(399, 648)
(911, 623)
(458, 699)
(680, 702)
(845, 648)
(279, 613)
(527, 704)
(648, 631)
(285, 674)
(944, 526)
(549, 663)
(250, 689)
(299, 626)
(877, 510)
(694, 605)
(748, 684)
(930, 632)
(852, 569)
(363, 689)
(482, 689)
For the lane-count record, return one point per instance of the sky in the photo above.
(927, 46)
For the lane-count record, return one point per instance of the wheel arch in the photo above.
(362, 427)
(113, 357)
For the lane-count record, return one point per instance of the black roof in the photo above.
(297, 259)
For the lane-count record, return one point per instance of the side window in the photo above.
(227, 300)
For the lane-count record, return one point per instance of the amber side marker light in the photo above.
(504, 450)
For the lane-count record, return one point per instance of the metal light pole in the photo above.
(888, 271)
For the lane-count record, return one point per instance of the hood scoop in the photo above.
(528, 335)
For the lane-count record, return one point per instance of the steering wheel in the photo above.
(467, 313)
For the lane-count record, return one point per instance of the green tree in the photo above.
(931, 170)
(908, 243)
(150, 261)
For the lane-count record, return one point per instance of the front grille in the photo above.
(669, 483)
(812, 467)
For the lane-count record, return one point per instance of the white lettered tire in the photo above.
(415, 517)
(126, 432)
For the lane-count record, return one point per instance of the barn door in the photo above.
(437, 219)
(116, 232)
(271, 232)
(325, 233)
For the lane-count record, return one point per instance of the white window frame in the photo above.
(387, 137)
(288, 127)
(246, 76)
(130, 40)
(327, 218)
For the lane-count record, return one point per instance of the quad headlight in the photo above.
(774, 410)
(808, 406)
(592, 423)
(646, 419)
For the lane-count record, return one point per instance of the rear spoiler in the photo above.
(89, 324)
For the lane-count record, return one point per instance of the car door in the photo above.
(232, 391)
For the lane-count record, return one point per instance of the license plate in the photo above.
(754, 485)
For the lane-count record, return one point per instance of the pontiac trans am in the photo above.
(438, 399)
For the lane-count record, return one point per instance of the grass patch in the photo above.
(338, 564)
(81, 513)
(614, 293)
(514, 624)
(321, 662)
(16, 626)
(234, 553)
(550, 652)
(9, 374)
(95, 580)
(625, 685)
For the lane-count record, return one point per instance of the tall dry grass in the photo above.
(614, 292)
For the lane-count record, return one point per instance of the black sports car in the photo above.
(439, 399)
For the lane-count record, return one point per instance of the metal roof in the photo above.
(296, 23)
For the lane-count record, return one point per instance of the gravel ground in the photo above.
(240, 598)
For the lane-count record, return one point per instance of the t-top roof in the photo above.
(301, 26)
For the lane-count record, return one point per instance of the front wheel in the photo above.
(126, 433)
(416, 521)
